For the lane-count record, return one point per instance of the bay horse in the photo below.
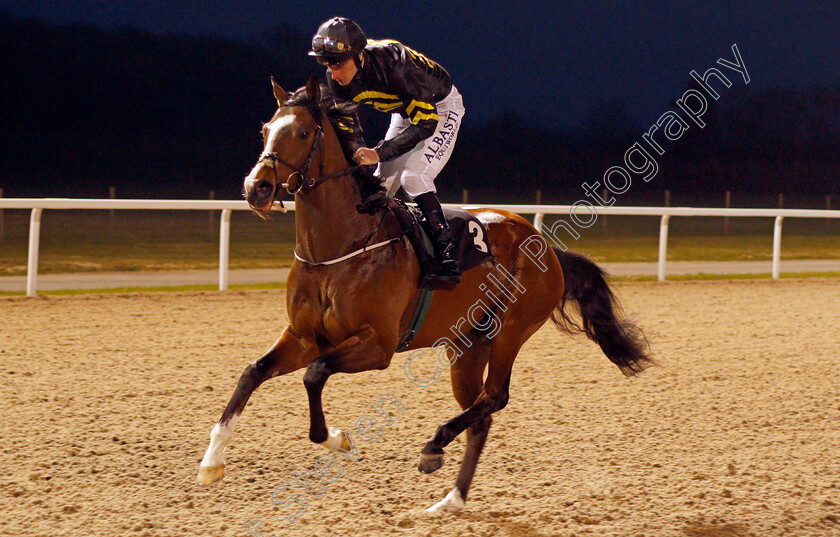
(350, 315)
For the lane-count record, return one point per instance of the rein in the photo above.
(311, 182)
(301, 172)
(348, 256)
(363, 249)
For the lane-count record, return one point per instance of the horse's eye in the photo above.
(303, 134)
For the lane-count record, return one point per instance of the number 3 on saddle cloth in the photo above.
(468, 235)
(471, 249)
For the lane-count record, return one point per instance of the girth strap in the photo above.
(426, 293)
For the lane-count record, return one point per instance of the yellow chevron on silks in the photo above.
(418, 56)
(421, 104)
(383, 42)
(346, 123)
(411, 52)
(386, 107)
(420, 116)
(375, 95)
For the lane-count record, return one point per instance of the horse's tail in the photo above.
(621, 340)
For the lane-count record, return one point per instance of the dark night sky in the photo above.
(545, 59)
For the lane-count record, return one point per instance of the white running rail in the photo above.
(38, 205)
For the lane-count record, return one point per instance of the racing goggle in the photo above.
(329, 61)
(321, 43)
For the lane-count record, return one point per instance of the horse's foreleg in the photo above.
(360, 352)
(286, 355)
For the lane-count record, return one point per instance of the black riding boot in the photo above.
(450, 270)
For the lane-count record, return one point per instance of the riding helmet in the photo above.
(338, 39)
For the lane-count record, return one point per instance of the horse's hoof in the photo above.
(207, 475)
(430, 462)
(336, 439)
(453, 503)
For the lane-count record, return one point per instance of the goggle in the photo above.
(322, 43)
(331, 61)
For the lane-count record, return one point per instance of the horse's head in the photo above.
(291, 140)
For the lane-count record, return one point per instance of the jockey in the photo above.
(426, 111)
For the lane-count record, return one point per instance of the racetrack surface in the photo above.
(109, 401)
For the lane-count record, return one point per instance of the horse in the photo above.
(355, 283)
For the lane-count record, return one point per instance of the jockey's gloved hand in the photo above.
(371, 204)
(373, 195)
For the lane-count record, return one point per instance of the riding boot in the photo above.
(450, 269)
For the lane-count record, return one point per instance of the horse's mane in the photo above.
(335, 109)
(334, 106)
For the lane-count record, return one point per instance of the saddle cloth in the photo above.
(468, 234)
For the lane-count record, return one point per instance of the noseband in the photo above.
(301, 172)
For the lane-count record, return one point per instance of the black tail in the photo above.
(621, 340)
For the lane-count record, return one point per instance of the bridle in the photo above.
(312, 182)
(300, 172)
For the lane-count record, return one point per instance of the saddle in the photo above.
(471, 249)
(468, 235)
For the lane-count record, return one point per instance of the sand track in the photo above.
(109, 400)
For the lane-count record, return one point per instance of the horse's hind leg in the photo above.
(488, 402)
(467, 373)
(457, 497)
(286, 355)
(432, 455)
(493, 397)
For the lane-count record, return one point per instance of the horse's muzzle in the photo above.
(261, 195)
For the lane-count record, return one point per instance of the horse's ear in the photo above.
(313, 89)
(279, 93)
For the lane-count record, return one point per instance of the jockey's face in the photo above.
(344, 72)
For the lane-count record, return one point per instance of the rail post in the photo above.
(210, 217)
(777, 246)
(2, 227)
(224, 249)
(663, 245)
(538, 220)
(727, 204)
(604, 217)
(34, 246)
(112, 194)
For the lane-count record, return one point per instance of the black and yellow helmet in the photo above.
(337, 40)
